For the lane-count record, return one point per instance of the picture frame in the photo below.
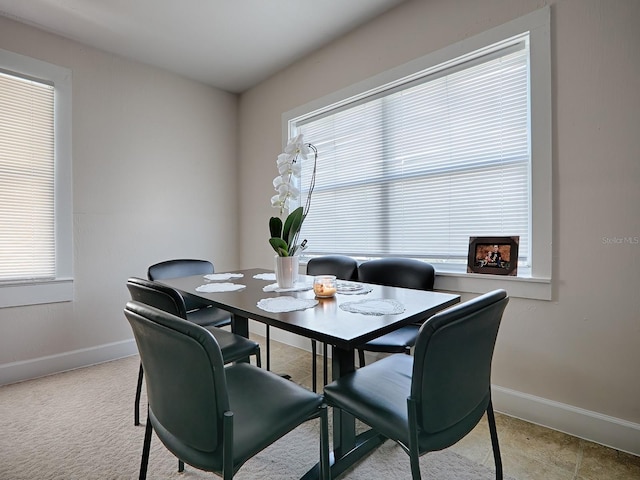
(493, 255)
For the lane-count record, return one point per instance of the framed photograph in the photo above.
(493, 255)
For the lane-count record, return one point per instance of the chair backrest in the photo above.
(182, 268)
(398, 272)
(157, 295)
(184, 372)
(452, 361)
(179, 268)
(343, 267)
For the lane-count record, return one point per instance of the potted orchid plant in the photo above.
(285, 236)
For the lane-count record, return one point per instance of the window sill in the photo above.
(454, 278)
(521, 286)
(35, 293)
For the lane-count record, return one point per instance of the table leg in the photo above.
(240, 325)
(348, 448)
(344, 424)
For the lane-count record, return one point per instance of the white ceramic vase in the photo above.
(287, 270)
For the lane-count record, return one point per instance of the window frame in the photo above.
(60, 288)
(537, 283)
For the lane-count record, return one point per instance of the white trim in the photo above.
(48, 365)
(34, 293)
(518, 287)
(595, 427)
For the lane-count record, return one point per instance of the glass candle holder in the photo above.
(324, 286)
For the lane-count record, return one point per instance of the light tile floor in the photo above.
(529, 452)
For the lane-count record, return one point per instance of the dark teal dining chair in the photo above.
(198, 310)
(234, 347)
(395, 272)
(433, 399)
(212, 417)
(344, 268)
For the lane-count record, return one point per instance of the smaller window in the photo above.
(35, 182)
(27, 238)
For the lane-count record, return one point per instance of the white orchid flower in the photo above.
(297, 147)
(287, 165)
(290, 169)
(296, 169)
(284, 168)
(277, 202)
(288, 190)
(284, 159)
(277, 182)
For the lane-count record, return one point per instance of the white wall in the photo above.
(571, 363)
(154, 175)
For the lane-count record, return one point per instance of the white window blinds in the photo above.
(27, 228)
(417, 169)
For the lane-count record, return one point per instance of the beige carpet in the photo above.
(79, 425)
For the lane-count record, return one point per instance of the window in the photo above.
(35, 181)
(418, 164)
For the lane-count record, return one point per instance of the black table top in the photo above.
(325, 322)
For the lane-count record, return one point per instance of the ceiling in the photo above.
(230, 44)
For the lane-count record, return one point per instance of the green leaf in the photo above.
(292, 225)
(280, 246)
(275, 227)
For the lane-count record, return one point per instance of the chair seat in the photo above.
(378, 393)
(210, 317)
(234, 347)
(397, 341)
(283, 406)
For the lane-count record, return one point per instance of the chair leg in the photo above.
(414, 460)
(258, 358)
(136, 407)
(413, 451)
(494, 440)
(146, 447)
(325, 363)
(180, 466)
(227, 446)
(325, 469)
(314, 367)
(268, 352)
(361, 358)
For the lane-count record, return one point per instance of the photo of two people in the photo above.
(493, 255)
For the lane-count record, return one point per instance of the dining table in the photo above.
(346, 320)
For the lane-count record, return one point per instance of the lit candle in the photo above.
(324, 286)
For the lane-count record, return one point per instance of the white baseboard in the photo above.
(40, 367)
(595, 427)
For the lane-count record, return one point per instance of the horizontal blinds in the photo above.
(27, 228)
(420, 170)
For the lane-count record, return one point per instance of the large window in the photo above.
(418, 169)
(35, 205)
(416, 166)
